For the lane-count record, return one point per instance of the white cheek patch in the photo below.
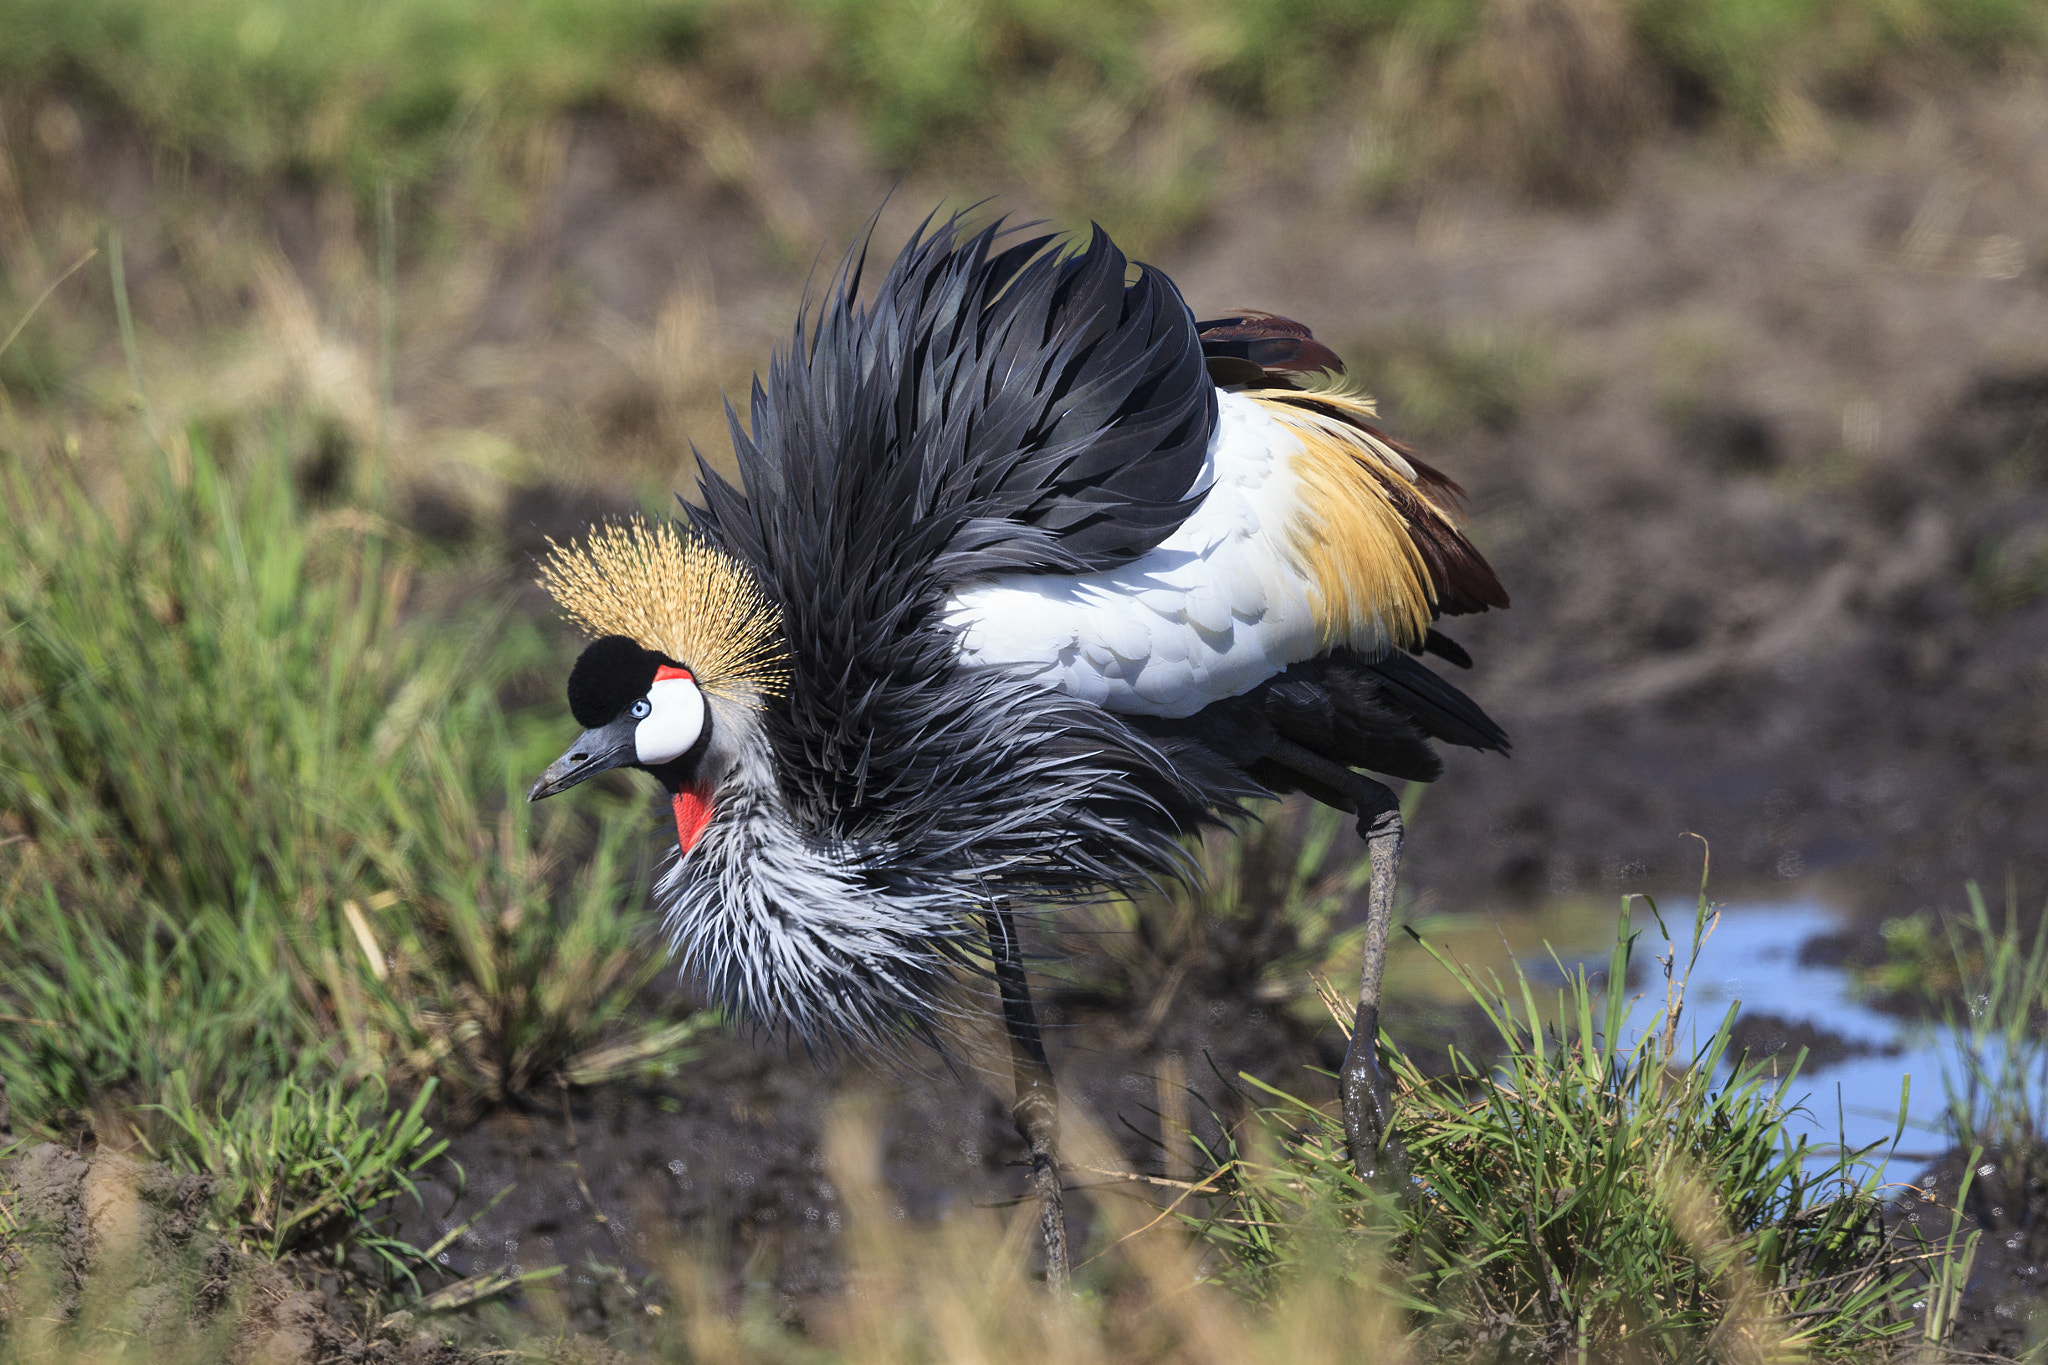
(674, 724)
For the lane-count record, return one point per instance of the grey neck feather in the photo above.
(821, 940)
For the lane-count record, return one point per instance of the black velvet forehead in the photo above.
(609, 676)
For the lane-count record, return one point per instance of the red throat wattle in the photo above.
(693, 813)
(692, 803)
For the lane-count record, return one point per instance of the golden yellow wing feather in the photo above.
(1369, 584)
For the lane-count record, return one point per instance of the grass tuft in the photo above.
(266, 858)
(1998, 1089)
(1589, 1194)
(307, 1165)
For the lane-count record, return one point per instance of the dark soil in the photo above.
(2007, 1296)
(730, 1162)
(1761, 1035)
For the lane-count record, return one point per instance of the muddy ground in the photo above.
(731, 1158)
(1762, 454)
(1760, 450)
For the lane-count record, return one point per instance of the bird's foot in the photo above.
(1377, 1153)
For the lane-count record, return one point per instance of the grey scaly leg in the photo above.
(1036, 1109)
(1377, 1154)
(1376, 1150)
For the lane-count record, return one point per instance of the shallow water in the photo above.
(1848, 1091)
(1753, 958)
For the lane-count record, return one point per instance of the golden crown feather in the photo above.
(678, 594)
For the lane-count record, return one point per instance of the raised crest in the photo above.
(676, 593)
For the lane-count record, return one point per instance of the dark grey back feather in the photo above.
(998, 407)
(995, 408)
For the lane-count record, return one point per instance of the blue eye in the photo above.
(641, 709)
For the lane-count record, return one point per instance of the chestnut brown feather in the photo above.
(1263, 349)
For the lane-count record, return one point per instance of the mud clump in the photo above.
(104, 1241)
(1763, 1036)
(287, 1323)
(79, 1226)
(2006, 1301)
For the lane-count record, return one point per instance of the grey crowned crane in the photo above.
(1030, 575)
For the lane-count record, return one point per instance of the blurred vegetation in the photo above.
(963, 1291)
(2007, 573)
(1436, 385)
(1080, 96)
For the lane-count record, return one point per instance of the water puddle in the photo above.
(1848, 1089)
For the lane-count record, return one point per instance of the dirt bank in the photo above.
(114, 1244)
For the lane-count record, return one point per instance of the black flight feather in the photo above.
(998, 407)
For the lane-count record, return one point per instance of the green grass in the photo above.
(1590, 1194)
(1998, 1088)
(383, 91)
(266, 869)
(306, 1164)
(1579, 1189)
(1081, 96)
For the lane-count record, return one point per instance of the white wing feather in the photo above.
(1215, 610)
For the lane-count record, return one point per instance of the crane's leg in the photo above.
(1377, 1153)
(1036, 1108)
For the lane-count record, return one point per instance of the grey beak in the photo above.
(594, 751)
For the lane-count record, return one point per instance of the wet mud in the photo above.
(2006, 1305)
(728, 1165)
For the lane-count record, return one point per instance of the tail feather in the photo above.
(1439, 709)
(1428, 502)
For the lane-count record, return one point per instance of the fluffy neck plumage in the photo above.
(818, 939)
